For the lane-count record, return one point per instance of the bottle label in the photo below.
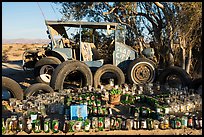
(46, 127)
(20, 125)
(87, 127)
(200, 123)
(56, 127)
(190, 122)
(29, 126)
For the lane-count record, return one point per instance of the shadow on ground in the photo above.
(14, 70)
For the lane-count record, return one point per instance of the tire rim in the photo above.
(142, 72)
(46, 72)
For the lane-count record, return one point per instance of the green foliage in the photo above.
(162, 26)
(115, 92)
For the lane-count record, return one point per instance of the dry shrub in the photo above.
(24, 46)
(4, 56)
(10, 47)
(16, 54)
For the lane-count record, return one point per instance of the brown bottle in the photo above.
(28, 128)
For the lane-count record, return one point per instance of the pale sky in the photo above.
(25, 20)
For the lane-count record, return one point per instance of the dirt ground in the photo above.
(12, 69)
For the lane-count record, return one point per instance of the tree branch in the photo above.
(158, 4)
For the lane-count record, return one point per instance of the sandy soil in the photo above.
(12, 68)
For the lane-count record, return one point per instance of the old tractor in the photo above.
(64, 62)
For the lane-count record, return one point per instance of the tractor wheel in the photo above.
(71, 73)
(175, 77)
(11, 86)
(37, 88)
(141, 71)
(118, 75)
(44, 68)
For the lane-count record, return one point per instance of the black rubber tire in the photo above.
(53, 61)
(148, 63)
(65, 68)
(109, 68)
(34, 88)
(196, 83)
(174, 70)
(12, 86)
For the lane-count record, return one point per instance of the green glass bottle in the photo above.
(100, 123)
(55, 126)
(3, 127)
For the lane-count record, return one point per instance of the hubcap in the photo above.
(46, 72)
(142, 73)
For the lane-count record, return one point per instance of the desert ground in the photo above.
(11, 67)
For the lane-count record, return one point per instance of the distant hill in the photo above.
(25, 41)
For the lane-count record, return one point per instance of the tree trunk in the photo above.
(182, 42)
(189, 60)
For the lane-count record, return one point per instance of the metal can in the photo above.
(37, 127)
(105, 111)
(166, 109)
(71, 126)
(143, 124)
(29, 126)
(136, 124)
(87, 125)
(112, 122)
(55, 126)
(14, 123)
(196, 122)
(118, 122)
(172, 121)
(107, 123)
(184, 122)
(98, 102)
(150, 124)
(100, 110)
(156, 124)
(95, 111)
(20, 124)
(200, 122)
(94, 122)
(166, 122)
(161, 124)
(47, 125)
(129, 123)
(3, 127)
(190, 121)
(123, 126)
(178, 123)
(101, 123)
(78, 125)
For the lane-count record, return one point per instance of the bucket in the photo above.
(115, 99)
